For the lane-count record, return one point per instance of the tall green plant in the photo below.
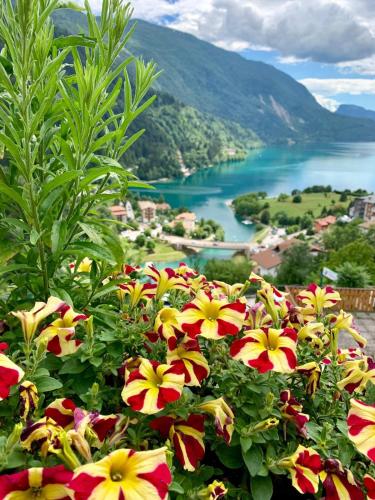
(62, 139)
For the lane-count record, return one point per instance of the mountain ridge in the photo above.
(223, 84)
(355, 111)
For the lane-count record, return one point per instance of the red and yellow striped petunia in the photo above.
(189, 358)
(124, 473)
(291, 411)
(223, 415)
(212, 318)
(166, 279)
(361, 427)
(186, 437)
(304, 467)
(137, 292)
(152, 386)
(357, 374)
(10, 373)
(38, 482)
(315, 299)
(267, 349)
(338, 482)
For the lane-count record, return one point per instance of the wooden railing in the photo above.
(352, 299)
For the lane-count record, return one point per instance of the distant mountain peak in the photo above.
(355, 111)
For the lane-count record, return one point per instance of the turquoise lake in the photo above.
(274, 170)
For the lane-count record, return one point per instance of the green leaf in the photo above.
(177, 488)
(74, 41)
(58, 235)
(140, 185)
(59, 180)
(230, 456)
(253, 459)
(16, 267)
(16, 459)
(246, 443)
(14, 195)
(7, 65)
(73, 366)
(91, 232)
(34, 236)
(261, 488)
(46, 384)
(92, 250)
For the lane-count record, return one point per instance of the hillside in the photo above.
(175, 131)
(224, 84)
(355, 111)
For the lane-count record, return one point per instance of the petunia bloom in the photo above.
(42, 483)
(361, 427)
(313, 373)
(369, 484)
(185, 271)
(62, 412)
(257, 317)
(214, 491)
(152, 386)
(59, 335)
(43, 435)
(10, 373)
(30, 320)
(212, 318)
(223, 415)
(124, 473)
(186, 437)
(83, 267)
(193, 364)
(137, 292)
(68, 317)
(28, 396)
(68, 416)
(339, 482)
(345, 321)
(167, 325)
(273, 300)
(316, 299)
(59, 341)
(312, 333)
(304, 467)
(165, 280)
(291, 411)
(267, 349)
(233, 291)
(357, 374)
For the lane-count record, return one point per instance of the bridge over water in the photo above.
(238, 246)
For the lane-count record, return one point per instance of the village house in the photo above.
(286, 244)
(188, 220)
(267, 262)
(324, 223)
(163, 207)
(148, 211)
(364, 208)
(122, 213)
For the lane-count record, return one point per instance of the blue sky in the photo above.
(328, 45)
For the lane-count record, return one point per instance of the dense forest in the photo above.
(172, 127)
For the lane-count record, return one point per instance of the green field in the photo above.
(310, 201)
(163, 253)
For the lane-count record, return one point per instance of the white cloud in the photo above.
(327, 102)
(331, 31)
(322, 30)
(329, 87)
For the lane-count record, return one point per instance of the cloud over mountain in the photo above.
(331, 31)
